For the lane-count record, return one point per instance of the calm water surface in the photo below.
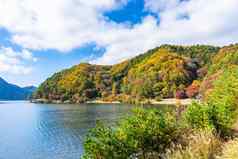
(47, 131)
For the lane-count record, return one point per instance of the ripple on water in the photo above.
(40, 131)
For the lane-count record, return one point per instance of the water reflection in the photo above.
(41, 131)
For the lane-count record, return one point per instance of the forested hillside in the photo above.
(164, 72)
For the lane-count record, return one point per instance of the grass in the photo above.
(230, 150)
(202, 145)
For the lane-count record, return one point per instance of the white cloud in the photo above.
(161, 5)
(13, 62)
(67, 24)
(27, 55)
(57, 24)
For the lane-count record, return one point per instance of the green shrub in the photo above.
(144, 133)
(197, 116)
(102, 142)
(223, 100)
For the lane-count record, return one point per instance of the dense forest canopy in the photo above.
(164, 72)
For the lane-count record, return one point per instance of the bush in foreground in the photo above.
(197, 116)
(223, 101)
(146, 133)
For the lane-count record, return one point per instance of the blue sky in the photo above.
(39, 38)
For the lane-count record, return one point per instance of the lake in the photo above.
(50, 131)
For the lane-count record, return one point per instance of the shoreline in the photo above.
(103, 102)
(173, 101)
(168, 101)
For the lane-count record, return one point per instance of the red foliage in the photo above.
(180, 94)
(193, 90)
(207, 84)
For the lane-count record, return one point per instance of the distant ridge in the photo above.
(13, 92)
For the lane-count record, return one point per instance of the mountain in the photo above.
(13, 92)
(30, 89)
(164, 72)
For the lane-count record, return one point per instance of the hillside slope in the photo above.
(225, 59)
(163, 72)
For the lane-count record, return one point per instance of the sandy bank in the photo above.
(102, 102)
(172, 101)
